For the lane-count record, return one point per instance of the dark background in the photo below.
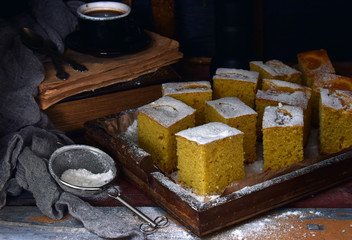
(280, 28)
(269, 29)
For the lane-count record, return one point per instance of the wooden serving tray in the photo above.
(243, 199)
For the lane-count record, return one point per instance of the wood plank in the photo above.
(284, 223)
(70, 116)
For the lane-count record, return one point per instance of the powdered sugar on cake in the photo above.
(209, 132)
(186, 87)
(167, 110)
(230, 107)
(295, 98)
(237, 74)
(276, 68)
(282, 116)
(281, 83)
(337, 100)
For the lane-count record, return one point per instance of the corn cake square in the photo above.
(273, 98)
(282, 136)
(283, 86)
(157, 124)
(330, 81)
(235, 113)
(335, 125)
(312, 62)
(231, 82)
(275, 69)
(210, 157)
(193, 94)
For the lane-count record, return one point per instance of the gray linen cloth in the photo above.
(27, 136)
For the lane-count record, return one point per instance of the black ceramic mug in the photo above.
(103, 24)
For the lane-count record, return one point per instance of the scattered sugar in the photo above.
(84, 178)
(133, 148)
(254, 168)
(132, 132)
(186, 194)
(268, 227)
(209, 132)
(288, 214)
(231, 107)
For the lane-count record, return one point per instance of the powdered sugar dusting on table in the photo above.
(268, 227)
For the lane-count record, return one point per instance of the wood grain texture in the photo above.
(71, 115)
(284, 223)
(103, 72)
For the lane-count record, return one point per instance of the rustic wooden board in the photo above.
(104, 72)
(238, 203)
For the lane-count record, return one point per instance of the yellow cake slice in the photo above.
(329, 81)
(210, 157)
(312, 62)
(193, 94)
(233, 112)
(335, 125)
(157, 124)
(282, 136)
(231, 82)
(272, 97)
(275, 69)
(283, 86)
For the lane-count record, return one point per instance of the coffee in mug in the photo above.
(104, 13)
(103, 24)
